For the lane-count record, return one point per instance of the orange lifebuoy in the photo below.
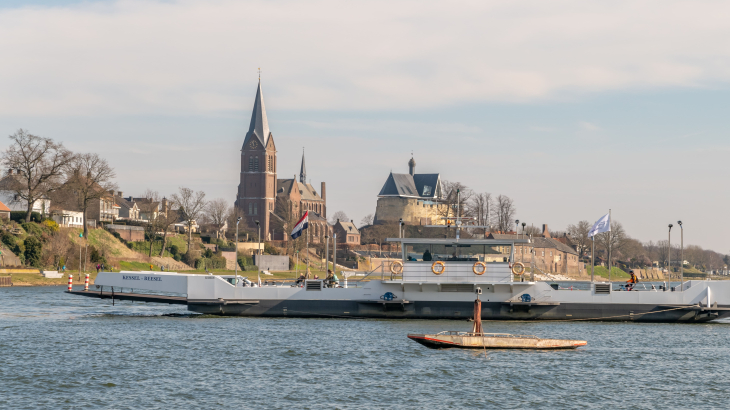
(519, 271)
(396, 268)
(484, 268)
(438, 263)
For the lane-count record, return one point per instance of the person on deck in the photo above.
(427, 256)
(633, 280)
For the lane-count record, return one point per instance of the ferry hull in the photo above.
(463, 310)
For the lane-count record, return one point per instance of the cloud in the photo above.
(588, 126)
(131, 57)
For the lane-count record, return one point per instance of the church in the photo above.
(275, 204)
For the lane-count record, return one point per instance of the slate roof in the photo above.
(415, 186)
(259, 126)
(349, 227)
(307, 191)
(123, 203)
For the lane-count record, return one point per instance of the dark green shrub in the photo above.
(270, 250)
(9, 240)
(174, 250)
(177, 257)
(19, 216)
(117, 235)
(208, 254)
(33, 250)
(32, 228)
(217, 262)
(95, 256)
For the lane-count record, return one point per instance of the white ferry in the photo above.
(435, 279)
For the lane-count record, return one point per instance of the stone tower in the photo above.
(257, 190)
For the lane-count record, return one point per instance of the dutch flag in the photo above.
(300, 226)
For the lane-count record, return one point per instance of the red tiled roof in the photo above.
(4, 207)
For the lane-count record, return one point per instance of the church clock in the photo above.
(252, 144)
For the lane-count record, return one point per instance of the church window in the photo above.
(250, 208)
(250, 163)
(255, 209)
(256, 163)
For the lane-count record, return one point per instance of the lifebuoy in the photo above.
(482, 264)
(398, 270)
(518, 268)
(438, 263)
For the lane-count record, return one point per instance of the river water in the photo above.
(64, 352)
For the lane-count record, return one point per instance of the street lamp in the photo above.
(522, 254)
(235, 279)
(400, 228)
(669, 256)
(517, 224)
(259, 228)
(681, 256)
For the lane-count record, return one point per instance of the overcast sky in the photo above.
(569, 107)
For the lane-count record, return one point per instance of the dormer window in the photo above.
(427, 190)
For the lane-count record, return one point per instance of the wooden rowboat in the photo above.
(469, 340)
(477, 339)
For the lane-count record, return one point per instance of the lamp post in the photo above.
(258, 225)
(522, 256)
(681, 256)
(669, 256)
(517, 224)
(235, 279)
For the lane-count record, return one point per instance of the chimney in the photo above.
(545, 231)
(412, 166)
(119, 194)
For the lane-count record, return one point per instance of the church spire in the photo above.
(303, 171)
(259, 123)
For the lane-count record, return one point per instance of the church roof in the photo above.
(307, 191)
(259, 123)
(415, 186)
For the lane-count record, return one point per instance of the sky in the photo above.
(569, 107)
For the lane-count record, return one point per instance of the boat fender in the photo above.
(526, 298)
(396, 268)
(481, 271)
(518, 268)
(438, 271)
(388, 296)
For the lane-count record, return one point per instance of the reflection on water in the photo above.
(62, 351)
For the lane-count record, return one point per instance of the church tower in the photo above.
(257, 188)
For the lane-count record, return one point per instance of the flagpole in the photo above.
(609, 246)
(593, 255)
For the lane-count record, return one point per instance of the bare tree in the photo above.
(578, 234)
(217, 211)
(481, 206)
(613, 240)
(341, 215)
(457, 196)
(191, 206)
(367, 220)
(90, 180)
(505, 213)
(40, 162)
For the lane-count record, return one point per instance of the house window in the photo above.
(551, 253)
(543, 253)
